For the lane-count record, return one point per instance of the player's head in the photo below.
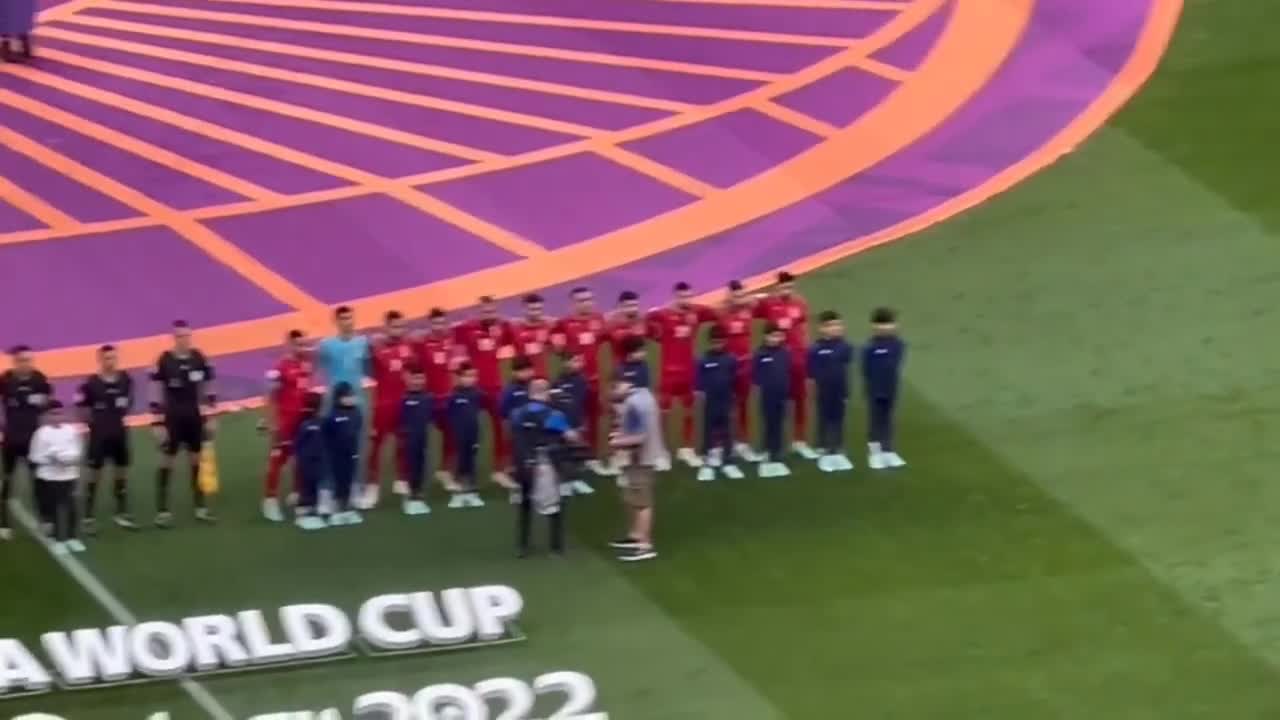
(540, 389)
(786, 284)
(682, 294)
(296, 343)
(572, 361)
(415, 377)
(181, 336)
(488, 308)
(533, 306)
(344, 394)
(438, 319)
(774, 334)
(716, 338)
(633, 348)
(584, 301)
(312, 402)
(629, 303)
(737, 293)
(54, 413)
(108, 359)
(522, 369)
(344, 318)
(395, 324)
(830, 324)
(884, 321)
(466, 375)
(23, 359)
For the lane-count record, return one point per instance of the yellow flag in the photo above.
(209, 470)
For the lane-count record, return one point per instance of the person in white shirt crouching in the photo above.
(56, 451)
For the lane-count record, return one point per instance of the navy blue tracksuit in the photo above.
(635, 372)
(882, 360)
(715, 379)
(771, 372)
(462, 410)
(310, 459)
(342, 434)
(415, 420)
(571, 391)
(829, 360)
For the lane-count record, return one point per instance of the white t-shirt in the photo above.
(56, 451)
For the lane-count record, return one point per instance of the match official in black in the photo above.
(182, 388)
(539, 431)
(105, 399)
(25, 392)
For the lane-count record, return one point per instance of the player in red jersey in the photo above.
(391, 355)
(440, 357)
(675, 327)
(531, 335)
(737, 320)
(581, 333)
(624, 322)
(487, 339)
(790, 312)
(287, 386)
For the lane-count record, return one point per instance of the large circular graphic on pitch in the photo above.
(246, 164)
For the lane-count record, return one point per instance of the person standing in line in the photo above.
(311, 462)
(829, 360)
(24, 390)
(344, 358)
(463, 409)
(389, 355)
(182, 394)
(342, 435)
(105, 399)
(571, 394)
(56, 451)
(487, 338)
(416, 412)
(440, 356)
(882, 361)
(288, 388)
(716, 380)
(583, 333)
(737, 319)
(787, 310)
(537, 429)
(640, 436)
(771, 371)
(17, 20)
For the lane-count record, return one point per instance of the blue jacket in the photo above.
(771, 371)
(514, 396)
(715, 377)
(882, 360)
(309, 447)
(534, 425)
(342, 433)
(415, 417)
(829, 360)
(635, 372)
(463, 411)
(571, 389)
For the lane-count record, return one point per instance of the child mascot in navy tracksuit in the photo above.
(342, 434)
(882, 361)
(771, 373)
(462, 413)
(311, 461)
(829, 361)
(416, 415)
(715, 380)
(569, 395)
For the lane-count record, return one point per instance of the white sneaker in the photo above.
(60, 549)
(876, 461)
(503, 480)
(582, 487)
(445, 478)
(732, 472)
(566, 490)
(715, 457)
(271, 510)
(602, 470)
(459, 500)
(774, 470)
(474, 500)
(841, 463)
(370, 497)
(325, 504)
(75, 546)
(746, 453)
(825, 464)
(893, 460)
(416, 507)
(706, 474)
(400, 487)
(803, 450)
(663, 464)
(689, 457)
(310, 522)
(6, 534)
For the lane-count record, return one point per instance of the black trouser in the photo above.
(59, 496)
(773, 409)
(717, 431)
(831, 407)
(880, 424)
(555, 521)
(14, 453)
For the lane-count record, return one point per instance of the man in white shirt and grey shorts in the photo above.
(640, 437)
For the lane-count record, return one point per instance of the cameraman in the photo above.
(539, 431)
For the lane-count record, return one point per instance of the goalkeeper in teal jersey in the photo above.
(344, 357)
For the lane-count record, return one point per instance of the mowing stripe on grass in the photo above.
(109, 602)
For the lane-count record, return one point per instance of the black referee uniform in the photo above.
(24, 397)
(106, 399)
(182, 380)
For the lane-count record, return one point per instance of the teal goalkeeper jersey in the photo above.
(342, 361)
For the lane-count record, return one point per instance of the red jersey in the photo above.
(290, 382)
(440, 357)
(390, 359)
(737, 323)
(792, 315)
(620, 328)
(582, 335)
(676, 330)
(484, 343)
(533, 340)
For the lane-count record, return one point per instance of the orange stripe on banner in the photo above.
(35, 206)
(795, 118)
(142, 149)
(883, 69)
(656, 170)
(556, 21)
(347, 31)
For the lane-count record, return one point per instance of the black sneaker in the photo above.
(90, 527)
(625, 543)
(638, 553)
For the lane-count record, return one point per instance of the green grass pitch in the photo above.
(1088, 527)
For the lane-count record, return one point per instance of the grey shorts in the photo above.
(639, 490)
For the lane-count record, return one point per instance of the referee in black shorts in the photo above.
(182, 385)
(105, 399)
(25, 392)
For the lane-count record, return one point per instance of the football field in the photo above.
(1087, 528)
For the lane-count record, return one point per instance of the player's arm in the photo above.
(631, 433)
(82, 401)
(208, 389)
(156, 399)
(41, 450)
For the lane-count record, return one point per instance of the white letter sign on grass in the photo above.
(19, 669)
(316, 630)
